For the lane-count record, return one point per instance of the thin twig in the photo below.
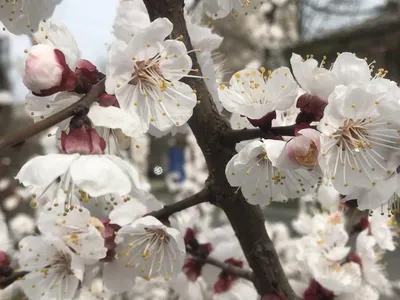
(6, 281)
(168, 210)
(17, 137)
(239, 272)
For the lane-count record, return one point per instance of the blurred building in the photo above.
(377, 38)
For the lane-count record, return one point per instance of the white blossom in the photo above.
(113, 175)
(251, 94)
(319, 81)
(148, 249)
(23, 17)
(144, 74)
(54, 270)
(79, 231)
(255, 169)
(359, 138)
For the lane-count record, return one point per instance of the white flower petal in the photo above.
(115, 118)
(121, 283)
(43, 170)
(98, 175)
(175, 62)
(350, 69)
(53, 286)
(57, 35)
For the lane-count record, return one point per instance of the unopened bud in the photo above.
(83, 140)
(46, 71)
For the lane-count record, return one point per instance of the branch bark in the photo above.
(210, 128)
(6, 281)
(239, 272)
(17, 137)
(236, 136)
(168, 210)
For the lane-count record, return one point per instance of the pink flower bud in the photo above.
(83, 140)
(46, 71)
(304, 148)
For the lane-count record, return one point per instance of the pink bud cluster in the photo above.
(47, 72)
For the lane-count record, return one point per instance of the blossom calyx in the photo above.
(226, 280)
(109, 234)
(316, 291)
(106, 100)
(5, 269)
(83, 140)
(265, 122)
(46, 71)
(312, 105)
(88, 76)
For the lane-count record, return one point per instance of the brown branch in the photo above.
(168, 210)
(239, 272)
(17, 137)
(209, 128)
(236, 136)
(6, 281)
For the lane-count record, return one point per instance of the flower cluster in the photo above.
(74, 244)
(355, 144)
(324, 263)
(331, 132)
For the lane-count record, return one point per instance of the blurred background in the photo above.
(369, 28)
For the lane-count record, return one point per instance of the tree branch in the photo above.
(209, 128)
(236, 136)
(17, 137)
(6, 281)
(168, 210)
(239, 272)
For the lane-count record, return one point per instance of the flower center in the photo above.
(150, 252)
(147, 74)
(262, 159)
(352, 136)
(310, 158)
(62, 263)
